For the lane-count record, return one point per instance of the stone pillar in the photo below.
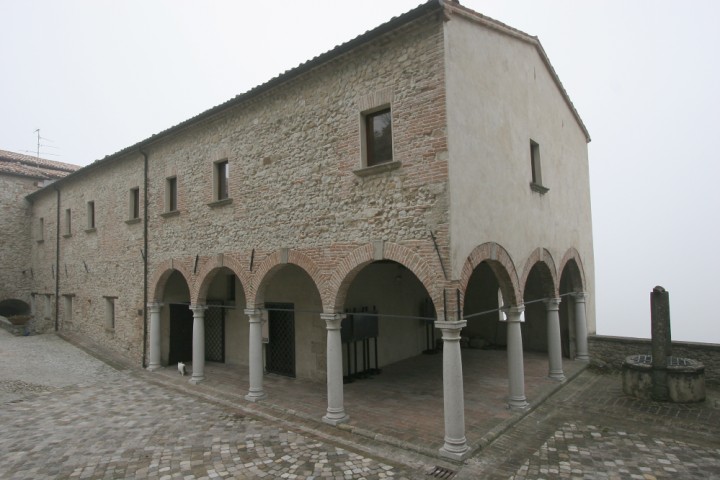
(661, 342)
(154, 309)
(455, 446)
(516, 368)
(581, 334)
(198, 350)
(555, 368)
(255, 355)
(335, 397)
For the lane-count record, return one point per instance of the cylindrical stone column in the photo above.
(555, 367)
(335, 396)
(198, 350)
(581, 341)
(154, 309)
(661, 342)
(255, 355)
(455, 446)
(516, 368)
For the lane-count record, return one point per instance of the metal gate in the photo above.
(215, 333)
(281, 345)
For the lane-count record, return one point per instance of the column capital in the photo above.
(198, 307)
(451, 325)
(333, 321)
(514, 314)
(552, 303)
(154, 307)
(255, 314)
(580, 297)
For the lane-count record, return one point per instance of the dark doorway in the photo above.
(215, 333)
(281, 345)
(181, 330)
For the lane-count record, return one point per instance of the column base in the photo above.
(255, 396)
(153, 368)
(518, 404)
(196, 380)
(557, 376)
(583, 358)
(335, 419)
(455, 449)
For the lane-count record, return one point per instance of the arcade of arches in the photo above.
(289, 319)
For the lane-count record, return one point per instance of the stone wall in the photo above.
(613, 351)
(15, 230)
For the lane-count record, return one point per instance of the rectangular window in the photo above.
(90, 215)
(68, 226)
(109, 313)
(535, 163)
(378, 138)
(134, 203)
(222, 177)
(67, 308)
(41, 229)
(171, 194)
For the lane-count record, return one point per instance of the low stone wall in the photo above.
(613, 350)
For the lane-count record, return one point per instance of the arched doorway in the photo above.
(539, 286)
(570, 282)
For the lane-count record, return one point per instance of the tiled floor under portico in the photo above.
(403, 404)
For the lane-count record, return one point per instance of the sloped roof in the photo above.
(12, 163)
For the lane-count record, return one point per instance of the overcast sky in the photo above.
(96, 76)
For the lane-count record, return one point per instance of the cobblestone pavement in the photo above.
(591, 430)
(67, 415)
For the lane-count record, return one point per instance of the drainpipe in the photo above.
(57, 260)
(145, 256)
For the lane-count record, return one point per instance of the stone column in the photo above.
(336, 402)
(555, 369)
(255, 355)
(582, 353)
(455, 446)
(516, 368)
(154, 309)
(198, 350)
(661, 342)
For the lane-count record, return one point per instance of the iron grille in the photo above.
(215, 334)
(281, 347)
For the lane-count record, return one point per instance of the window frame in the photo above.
(134, 204)
(91, 215)
(221, 180)
(68, 223)
(369, 140)
(171, 194)
(536, 182)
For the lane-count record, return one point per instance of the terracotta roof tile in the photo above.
(13, 163)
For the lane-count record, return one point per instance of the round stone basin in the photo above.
(685, 378)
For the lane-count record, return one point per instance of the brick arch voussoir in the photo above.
(350, 266)
(162, 273)
(209, 269)
(502, 266)
(543, 256)
(573, 254)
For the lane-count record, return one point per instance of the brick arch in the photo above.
(161, 275)
(210, 268)
(272, 264)
(542, 256)
(348, 268)
(501, 265)
(570, 255)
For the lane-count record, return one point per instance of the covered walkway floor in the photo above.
(403, 405)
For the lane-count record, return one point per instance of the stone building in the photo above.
(21, 175)
(429, 176)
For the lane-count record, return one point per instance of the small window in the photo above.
(109, 313)
(41, 229)
(134, 203)
(68, 219)
(171, 194)
(90, 215)
(67, 308)
(221, 177)
(378, 138)
(536, 183)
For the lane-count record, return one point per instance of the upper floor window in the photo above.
(90, 215)
(378, 137)
(171, 194)
(41, 230)
(134, 210)
(68, 219)
(221, 178)
(536, 183)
